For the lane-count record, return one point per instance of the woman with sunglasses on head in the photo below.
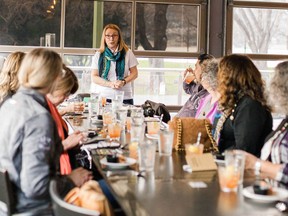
(194, 88)
(114, 66)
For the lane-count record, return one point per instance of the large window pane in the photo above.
(84, 16)
(79, 23)
(167, 27)
(81, 65)
(260, 31)
(22, 23)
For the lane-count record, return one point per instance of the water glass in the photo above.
(121, 115)
(165, 142)
(117, 100)
(137, 133)
(146, 155)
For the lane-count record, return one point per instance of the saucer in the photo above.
(278, 194)
(129, 161)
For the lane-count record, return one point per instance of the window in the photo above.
(165, 36)
(258, 29)
(24, 24)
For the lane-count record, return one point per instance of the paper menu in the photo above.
(201, 162)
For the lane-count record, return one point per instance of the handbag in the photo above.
(186, 130)
(84, 159)
(152, 108)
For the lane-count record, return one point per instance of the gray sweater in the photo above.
(29, 148)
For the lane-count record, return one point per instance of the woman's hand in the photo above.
(73, 140)
(118, 84)
(80, 175)
(250, 161)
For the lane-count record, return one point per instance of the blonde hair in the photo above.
(8, 77)
(39, 69)
(121, 42)
(68, 83)
(278, 91)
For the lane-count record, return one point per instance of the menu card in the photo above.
(201, 162)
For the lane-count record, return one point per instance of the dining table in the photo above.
(170, 189)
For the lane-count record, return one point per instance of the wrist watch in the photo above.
(124, 81)
(257, 167)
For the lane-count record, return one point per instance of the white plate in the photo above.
(152, 136)
(279, 194)
(151, 119)
(129, 162)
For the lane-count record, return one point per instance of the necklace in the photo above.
(232, 112)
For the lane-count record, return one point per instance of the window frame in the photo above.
(202, 33)
(231, 4)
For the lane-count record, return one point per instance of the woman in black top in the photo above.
(246, 119)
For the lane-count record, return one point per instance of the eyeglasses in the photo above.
(111, 36)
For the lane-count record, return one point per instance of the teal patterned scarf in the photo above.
(105, 61)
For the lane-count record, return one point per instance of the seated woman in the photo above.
(67, 84)
(194, 88)
(208, 105)
(8, 77)
(246, 119)
(274, 154)
(30, 146)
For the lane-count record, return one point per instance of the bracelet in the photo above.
(123, 80)
(257, 167)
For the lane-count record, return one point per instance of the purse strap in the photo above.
(179, 146)
(208, 129)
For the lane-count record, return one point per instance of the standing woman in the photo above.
(8, 76)
(114, 66)
(246, 119)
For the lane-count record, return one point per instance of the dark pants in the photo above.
(127, 101)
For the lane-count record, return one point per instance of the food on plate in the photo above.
(113, 158)
(263, 188)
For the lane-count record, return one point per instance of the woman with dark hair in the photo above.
(246, 119)
(194, 88)
(114, 66)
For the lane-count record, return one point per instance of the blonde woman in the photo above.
(66, 85)
(30, 146)
(114, 66)
(8, 76)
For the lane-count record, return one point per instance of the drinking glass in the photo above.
(165, 142)
(78, 105)
(229, 177)
(114, 131)
(236, 158)
(117, 100)
(108, 116)
(153, 127)
(195, 148)
(147, 152)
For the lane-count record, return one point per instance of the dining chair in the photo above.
(61, 208)
(6, 194)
